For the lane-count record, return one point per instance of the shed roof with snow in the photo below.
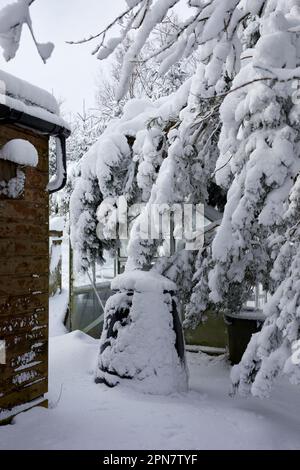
(23, 98)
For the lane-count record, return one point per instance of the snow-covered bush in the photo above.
(111, 168)
(142, 343)
(274, 350)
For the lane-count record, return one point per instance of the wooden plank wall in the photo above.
(24, 285)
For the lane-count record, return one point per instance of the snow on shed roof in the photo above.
(21, 96)
(27, 93)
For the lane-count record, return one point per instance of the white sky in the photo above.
(71, 73)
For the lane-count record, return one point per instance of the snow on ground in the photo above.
(84, 415)
(59, 303)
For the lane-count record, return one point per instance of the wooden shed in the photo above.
(28, 117)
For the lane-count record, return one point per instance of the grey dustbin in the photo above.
(240, 328)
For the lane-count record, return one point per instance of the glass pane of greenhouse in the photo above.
(88, 295)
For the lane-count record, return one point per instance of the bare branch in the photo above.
(221, 167)
(105, 30)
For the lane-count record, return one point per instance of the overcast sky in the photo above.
(71, 72)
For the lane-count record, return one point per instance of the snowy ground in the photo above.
(83, 415)
(58, 304)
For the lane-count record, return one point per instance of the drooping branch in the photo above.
(12, 19)
(250, 82)
(106, 29)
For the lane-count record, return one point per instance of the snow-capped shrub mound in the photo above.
(142, 343)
